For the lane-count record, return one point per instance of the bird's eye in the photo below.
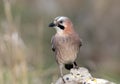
(61, 21)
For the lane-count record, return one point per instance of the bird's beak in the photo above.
(52, 25)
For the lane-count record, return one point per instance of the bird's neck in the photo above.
(64, 33)
(59, 31)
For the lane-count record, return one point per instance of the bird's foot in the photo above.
(63, 80)
(75, 66)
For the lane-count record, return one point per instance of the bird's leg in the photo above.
(61, 73)
(75, 65)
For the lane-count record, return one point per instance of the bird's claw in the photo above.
(63, 80)
(76, 67)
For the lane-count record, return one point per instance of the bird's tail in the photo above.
(69, 66)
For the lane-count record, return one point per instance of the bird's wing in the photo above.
(77, 40)
(52, 42)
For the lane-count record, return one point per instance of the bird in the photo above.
(66, 43)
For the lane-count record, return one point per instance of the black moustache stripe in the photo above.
(61, 27)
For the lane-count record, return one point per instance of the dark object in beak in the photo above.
(52, 25)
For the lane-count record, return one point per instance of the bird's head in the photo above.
(62, 24)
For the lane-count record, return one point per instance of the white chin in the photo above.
(60, 31)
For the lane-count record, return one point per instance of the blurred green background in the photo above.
(25, 49)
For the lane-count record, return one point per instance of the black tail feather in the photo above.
(68, 66)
